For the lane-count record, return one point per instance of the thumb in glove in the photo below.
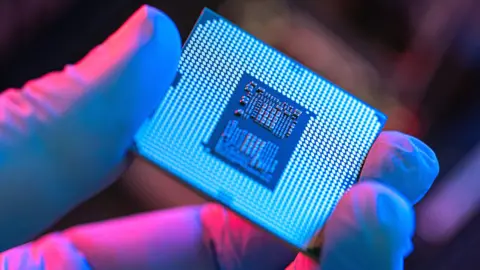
(62, 135)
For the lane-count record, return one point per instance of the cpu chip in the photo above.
(258, 132)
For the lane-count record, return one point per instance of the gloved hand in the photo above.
(88, 104)
(63, 137)
(370, 229)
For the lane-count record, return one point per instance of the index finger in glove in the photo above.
(402, 162)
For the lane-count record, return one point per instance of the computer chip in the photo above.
(253, 129)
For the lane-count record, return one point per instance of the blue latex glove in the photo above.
(101, 101)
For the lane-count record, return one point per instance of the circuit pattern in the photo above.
(248, 150)
(268, 111)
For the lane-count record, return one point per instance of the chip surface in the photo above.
(249, 127)
(258, 131)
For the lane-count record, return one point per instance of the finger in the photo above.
(370, 229)
(171, 239)
(61, 135)
(402, 162)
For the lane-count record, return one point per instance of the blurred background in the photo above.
(418, 61)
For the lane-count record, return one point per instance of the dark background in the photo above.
(35, 40)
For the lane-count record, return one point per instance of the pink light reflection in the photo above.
(453, 203)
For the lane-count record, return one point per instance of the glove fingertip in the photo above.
(161, 47)
(402, 162)
(166, 37)
(371, 228)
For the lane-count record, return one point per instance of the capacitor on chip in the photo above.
(239, 112)
(250, 86)
(244, 100)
